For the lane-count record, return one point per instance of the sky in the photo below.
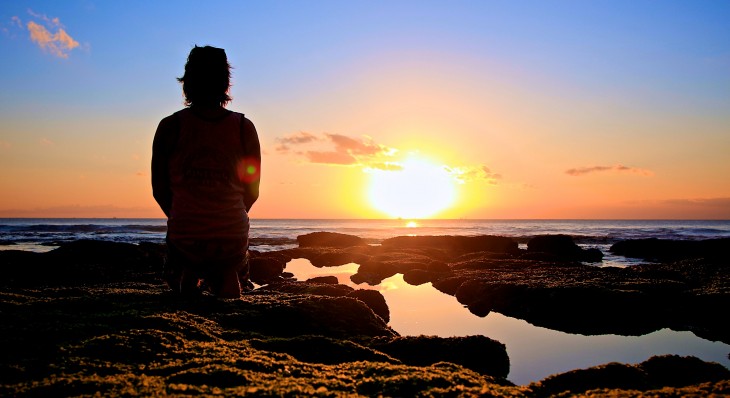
(381, 109)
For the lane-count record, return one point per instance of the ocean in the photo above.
(43, 234)
(535, 352)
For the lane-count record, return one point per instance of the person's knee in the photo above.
(189, 282)
(225, 284)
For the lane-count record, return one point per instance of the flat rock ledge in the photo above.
(93, 318)
(554, 283)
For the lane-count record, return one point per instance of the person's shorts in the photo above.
(205, 257)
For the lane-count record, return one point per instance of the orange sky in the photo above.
(498, 119)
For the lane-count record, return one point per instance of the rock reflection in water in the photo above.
(534, 352)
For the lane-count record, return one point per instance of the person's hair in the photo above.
(207, 77)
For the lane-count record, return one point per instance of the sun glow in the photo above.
(418, 189)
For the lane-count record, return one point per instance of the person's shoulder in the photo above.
(172, 120)
(167, 130)
(246, 122)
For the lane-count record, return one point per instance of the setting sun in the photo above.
(419, 188)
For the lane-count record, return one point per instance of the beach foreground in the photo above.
(93, 316)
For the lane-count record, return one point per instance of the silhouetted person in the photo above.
(206, 167)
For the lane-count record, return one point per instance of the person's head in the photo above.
(207, 77)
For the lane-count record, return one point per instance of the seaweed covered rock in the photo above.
(562, 247)
(579, 298)
(329, 239)
(67, 331)
(322, 349)
(478, 353)
(372, 298)
(672, 250)
(83, 262)
(264, 267)
(655, 373)
(455, 244)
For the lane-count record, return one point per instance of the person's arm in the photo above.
(250, 170)
(162, 147)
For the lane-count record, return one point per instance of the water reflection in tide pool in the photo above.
(534, 352)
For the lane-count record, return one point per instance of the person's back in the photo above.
(205, 177)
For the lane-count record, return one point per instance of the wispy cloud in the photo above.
(45, 142)
(49, 34)
(16, 21)
(285, 143)
(355, 146)
(619, 168)
(44, 18)
(336, 149)
(474, 173)
(332, 157)
(5, 145)
(700, 202)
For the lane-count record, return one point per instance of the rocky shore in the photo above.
(93, 317)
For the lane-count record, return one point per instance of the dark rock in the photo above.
(563, 247)
(610, 376)
(592, 255)
(478, 353)
(455, 244)
(417, 277)
(287, 315)
(438, 266)
(211, 375)
(655, 373)
(89, 251)
(336, 258)
(389, 263)
(672, 250)
(83, 262)
(374, 300)
(331, 256)
(299, 287)
(539, 256)
(449, 285)
(676, 371)
(433, 271)
(329, 239)
(489, 263)
(371, 279)
(266, 266)
(330, 280)
(321, 349)
(481, 299)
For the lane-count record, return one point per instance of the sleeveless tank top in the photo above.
(207, 196)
